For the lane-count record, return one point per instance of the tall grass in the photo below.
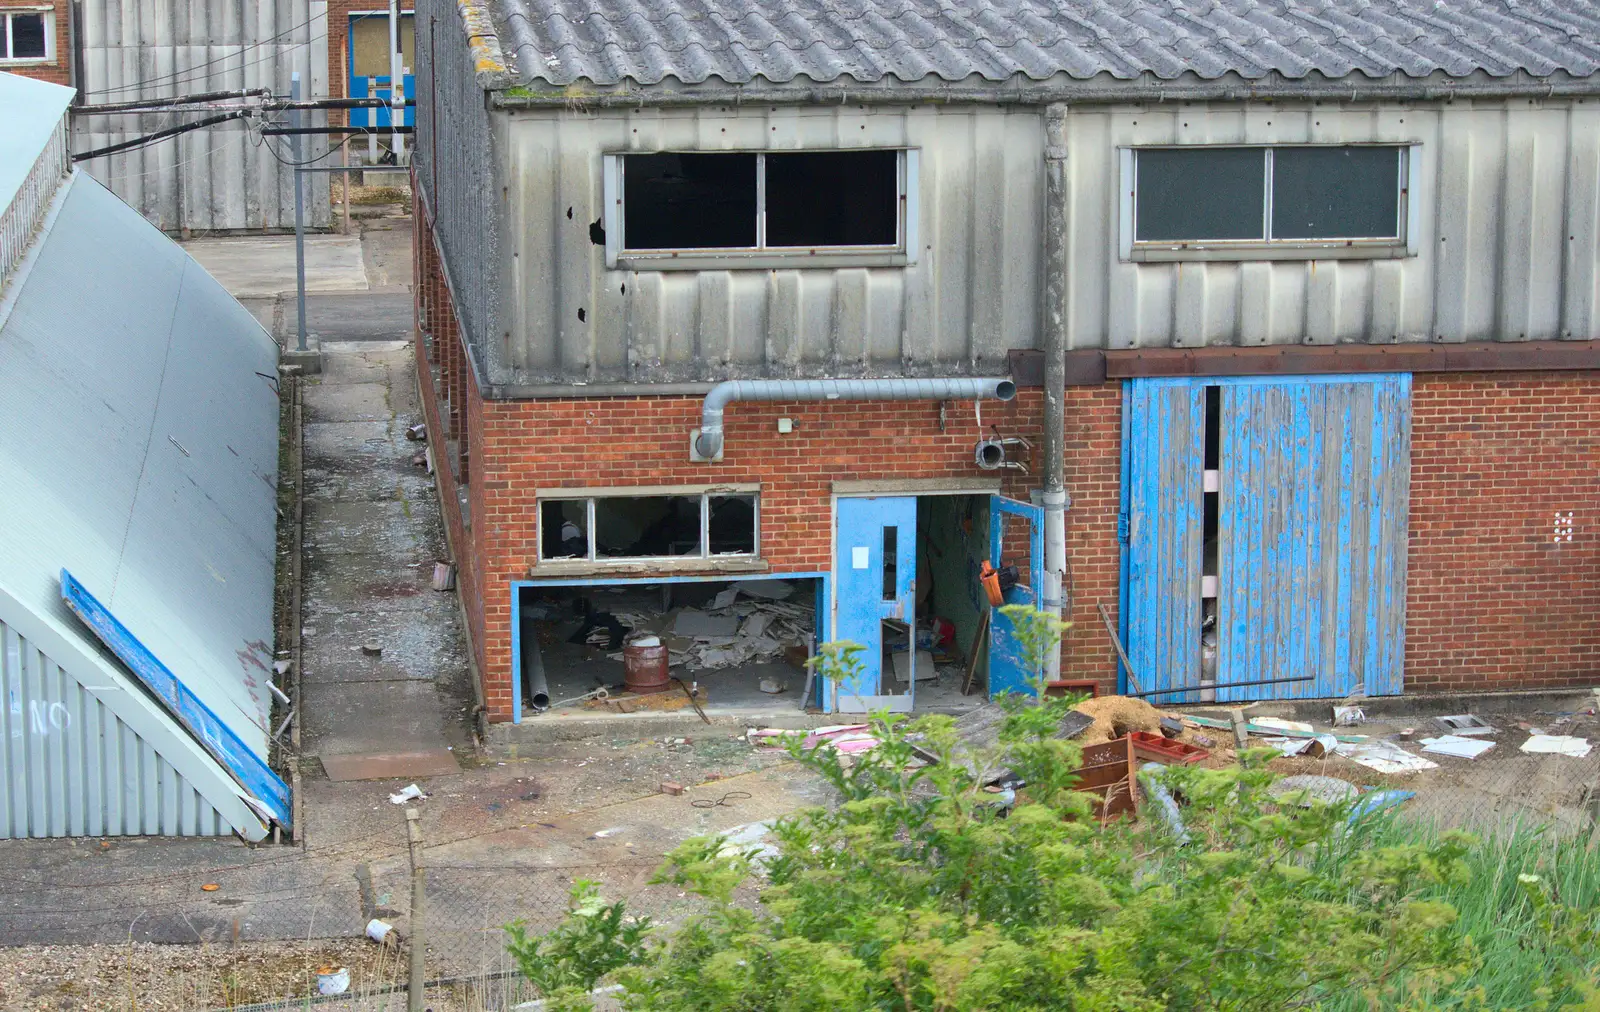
(1517, 955)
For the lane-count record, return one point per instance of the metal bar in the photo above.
(1220, 685)
(164, 103)
(299, 226)
(319, 131)
(1122, 654)
(383, 168)
(417, 980)
(159, 135)
(397, 83)
(278, 105)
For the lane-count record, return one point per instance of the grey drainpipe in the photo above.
(709, 442)
(1055, 366)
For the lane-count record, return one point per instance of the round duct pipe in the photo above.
(707, 444)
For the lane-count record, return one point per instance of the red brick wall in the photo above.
(1094, 473)
(59, 71)
(1493, 600)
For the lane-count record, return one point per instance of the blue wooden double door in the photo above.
(1265, 534)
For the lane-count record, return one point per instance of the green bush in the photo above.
(922, 891)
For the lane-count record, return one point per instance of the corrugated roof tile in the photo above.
(644, 42)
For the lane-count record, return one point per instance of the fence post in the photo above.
(415, 987)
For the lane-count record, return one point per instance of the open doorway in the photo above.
(730, 642)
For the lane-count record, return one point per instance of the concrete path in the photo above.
(373, 533)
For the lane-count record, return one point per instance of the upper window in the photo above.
(1247, 203)
(816, 208)
(26, 34)
(694, 525)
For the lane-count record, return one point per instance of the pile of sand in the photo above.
(1115, 716)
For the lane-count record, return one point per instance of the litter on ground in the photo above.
(1450, 744)
(1384, 756)
(1558, 744)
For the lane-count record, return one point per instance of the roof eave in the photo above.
(1103, 89)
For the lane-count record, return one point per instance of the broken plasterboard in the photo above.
(1558, 744)
(769, 590)
(1279, 724)
(926, 671)
(699, 624)
(1452, 744)
(1464, 724)
(1385, 757)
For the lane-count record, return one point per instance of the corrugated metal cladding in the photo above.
(1509, 243)
(971, 295)
(1312, 509)
(1311, 540)
(221, 177)
(156, 488)
(69, 766)
(456, 167)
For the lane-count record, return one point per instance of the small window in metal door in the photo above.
(891, 559)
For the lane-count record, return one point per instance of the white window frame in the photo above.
(49, 56)
(704, 494)
(1382, 247)
(899, 254)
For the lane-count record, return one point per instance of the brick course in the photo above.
(1493, 600)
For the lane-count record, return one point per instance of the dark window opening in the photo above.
(689, 201)
(646, 526)
(1213, 427)
(1335, 193)
(563, 529)
(1200, 193)
(27, 37)
(731, 527)
(891, 563)
(833, 198)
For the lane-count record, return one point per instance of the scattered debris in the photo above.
(604, 833)
(410, 792)
(381, 931)
(1464, 724)
(1115, 716)
(210, 887)
(668, 787)
(1279, 724)
(1558, 744)
(372, 648)
(1314, 748)
(444, 576)
(417, 433)
(1303, 790)
(1165, 803)
(1347, 716)
(771, 686)
(1384, 756)
(697, 623)
(847, 738)
(1377, 801)
(331, 980)
(1171, 727)
(1161, 749)
(1462, 748)
(926, 671)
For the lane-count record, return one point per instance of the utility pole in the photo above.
(299, 220)
(417, 983)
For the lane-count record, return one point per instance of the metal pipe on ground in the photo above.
(1217, 685)
(533, 677)
(708, 444)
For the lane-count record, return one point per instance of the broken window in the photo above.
(751, 202)
(24, 35)
(1253, 200)
(694, 525)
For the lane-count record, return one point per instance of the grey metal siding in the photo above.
(456, 165)
(221, 177)
(1312, 521)
(971, 295)
(1508, 243)
(71, 767)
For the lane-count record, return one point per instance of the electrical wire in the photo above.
(189, 70)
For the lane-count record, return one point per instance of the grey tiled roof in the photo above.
(645, 42)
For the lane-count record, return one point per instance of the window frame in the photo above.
(1131, 249)
(589, 496)
(48, 16)
(901, 253)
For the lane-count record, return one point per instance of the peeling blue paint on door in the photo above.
(1166, 454)
(1009, 670)
(1313, 502)
(867, 594)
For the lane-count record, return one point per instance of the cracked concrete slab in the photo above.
(348, 402)
(257, 266)
(360, 528)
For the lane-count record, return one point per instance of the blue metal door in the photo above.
(876, 572)
(1312, 534)
(1009, 669)
(365, 83)
(1312, 487)
(1165, 457)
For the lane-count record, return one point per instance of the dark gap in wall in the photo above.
(582, 316)
(646, 526)
(569, 214)
(561, 529)
(891, 563)
(1210, 519)
(732, 525)
(597, 232)
(689, 201)
(834, 198)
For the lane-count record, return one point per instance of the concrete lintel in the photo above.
(918, 486)
(649, 567)
(619, 491)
